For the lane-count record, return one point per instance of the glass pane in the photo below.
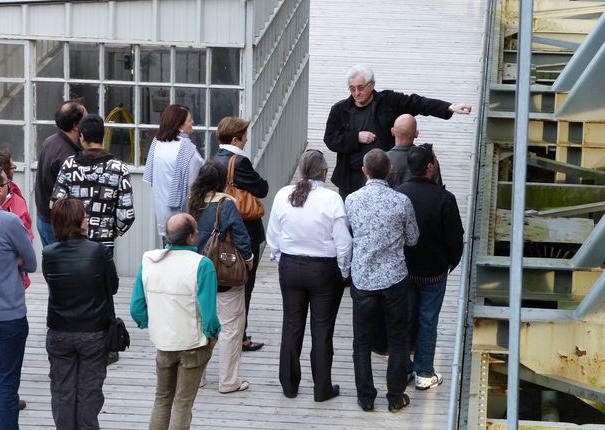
(145, 138)
(154, 101)
(83, 61)
(119, 63)
(11, 101)
(42, 132)
(12, 139)
(49, 59)
(89, 95)
(198, 137)
(195, 100)
(11, 60)
(155, 65)
(48, 95)
(190, 66)
(223, 102)
(120, 142)
(213, 144)
(225, 66)
(119, 104)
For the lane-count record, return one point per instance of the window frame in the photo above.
(30, 79)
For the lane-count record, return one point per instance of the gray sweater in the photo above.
(14, 243)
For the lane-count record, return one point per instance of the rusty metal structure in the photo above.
(531, 343)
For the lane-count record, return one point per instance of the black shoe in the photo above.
(22, 404)
(291, 395)
(366, 405)
(112, 357)
(335, 392)
(251, 346)
(395, 405)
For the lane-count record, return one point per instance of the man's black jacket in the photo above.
(342, 139)
(81, 276)
(246, 178)
(441, 242)
(55, 150)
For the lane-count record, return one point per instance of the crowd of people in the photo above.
(392, 234)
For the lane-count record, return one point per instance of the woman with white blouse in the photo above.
(308, 234)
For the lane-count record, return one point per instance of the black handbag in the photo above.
(117, 337)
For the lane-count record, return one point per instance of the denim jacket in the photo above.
(230, 220)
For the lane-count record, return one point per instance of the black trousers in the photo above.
(367, 306)
(250, 282)
(316, 282)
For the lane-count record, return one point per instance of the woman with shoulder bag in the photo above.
(248, 187)
(81, 278)
(212, 207)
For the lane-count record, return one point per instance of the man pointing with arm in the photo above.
(363, 122)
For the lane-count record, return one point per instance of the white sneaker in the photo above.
(423, 383)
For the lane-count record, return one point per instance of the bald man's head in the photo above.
(69, 114)
(404, 129)
(181, 230)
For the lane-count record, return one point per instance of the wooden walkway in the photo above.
(130, 383)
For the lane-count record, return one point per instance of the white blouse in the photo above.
(318, 229)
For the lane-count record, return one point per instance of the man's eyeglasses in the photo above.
(359, 88)
(6, 183)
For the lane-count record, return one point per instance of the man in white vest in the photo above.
(175, 297)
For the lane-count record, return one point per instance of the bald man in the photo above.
(404, 131)
(174, 296)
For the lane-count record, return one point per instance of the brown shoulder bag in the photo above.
(249, 207)
(228, 262)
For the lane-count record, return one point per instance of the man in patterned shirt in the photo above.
(101, 181)
(383, 222)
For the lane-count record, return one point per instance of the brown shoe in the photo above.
(22, 405)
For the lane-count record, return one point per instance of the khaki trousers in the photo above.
(232, 315)
(178, 379)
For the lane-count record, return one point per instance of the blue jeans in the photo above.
(13, 334)
(424, 303)
(45, 229)
(392, 302)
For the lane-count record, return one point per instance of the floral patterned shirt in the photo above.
(383, 222)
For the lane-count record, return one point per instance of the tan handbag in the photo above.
(229, 265)
(249, 207)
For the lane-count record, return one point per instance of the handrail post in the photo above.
(524, 41)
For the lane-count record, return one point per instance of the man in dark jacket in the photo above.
(405, 132)
(436, 254)
(363, 122)
(55, 149)
(232, 134)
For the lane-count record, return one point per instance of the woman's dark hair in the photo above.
(312, 166)
(5, 160)
(212, 178)
(66, 218)
(171, 120)
(92, 128)
(68, 115)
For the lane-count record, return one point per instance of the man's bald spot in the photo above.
(179, 227)
(65, 107)
(405, 124)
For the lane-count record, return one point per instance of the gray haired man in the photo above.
(363, 122)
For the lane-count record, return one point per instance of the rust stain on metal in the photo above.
(580, 352)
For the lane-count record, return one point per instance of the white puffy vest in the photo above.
(170, 285)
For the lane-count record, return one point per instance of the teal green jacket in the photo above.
(206, 296)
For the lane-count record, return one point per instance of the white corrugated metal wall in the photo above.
(433, 48)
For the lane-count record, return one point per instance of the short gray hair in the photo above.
(360, 69)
